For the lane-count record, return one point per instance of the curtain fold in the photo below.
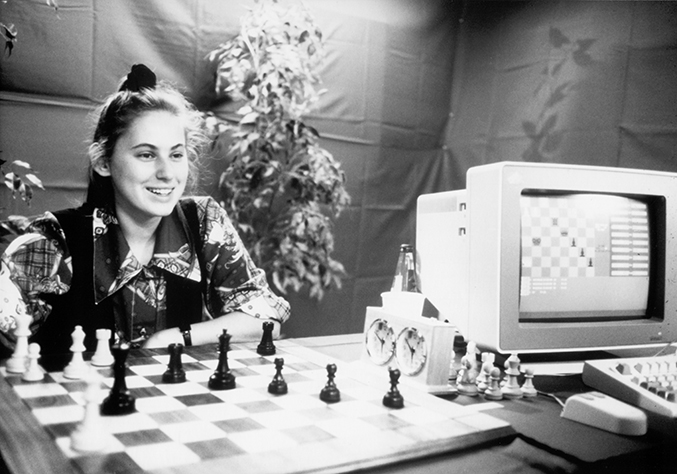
(417, 92)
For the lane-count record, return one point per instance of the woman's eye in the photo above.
(145, 156)
(178, 156)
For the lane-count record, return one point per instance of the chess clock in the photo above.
(411, 351)
(421, 348)
(379, 340)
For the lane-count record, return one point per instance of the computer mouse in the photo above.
(606, 413)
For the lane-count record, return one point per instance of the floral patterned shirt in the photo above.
(38, 261)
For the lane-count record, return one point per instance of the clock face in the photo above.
(380, 341)
(410, 351)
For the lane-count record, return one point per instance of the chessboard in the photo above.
(559, 239)
(188, 427)
(568, 237)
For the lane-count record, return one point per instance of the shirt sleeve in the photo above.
(234, 283)
(35, 262)
(11, 306)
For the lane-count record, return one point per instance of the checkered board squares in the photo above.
(187, 427)
(584, 236)
(558, 239)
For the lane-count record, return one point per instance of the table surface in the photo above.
(545, 442)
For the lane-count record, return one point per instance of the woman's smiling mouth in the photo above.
(161, 191)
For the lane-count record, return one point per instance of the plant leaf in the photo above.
(21, 164)
(34, 180)
(557, 38)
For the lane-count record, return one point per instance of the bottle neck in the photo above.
(405, 278)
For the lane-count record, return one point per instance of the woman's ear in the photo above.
(98, 159)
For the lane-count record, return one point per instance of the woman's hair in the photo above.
(139, 94)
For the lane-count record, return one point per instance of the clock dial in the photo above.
(380, 340)
(410, 351)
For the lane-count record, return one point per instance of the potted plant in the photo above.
(280, 187)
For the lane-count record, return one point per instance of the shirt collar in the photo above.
(115, 265)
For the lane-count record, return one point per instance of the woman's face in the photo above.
(149, 166)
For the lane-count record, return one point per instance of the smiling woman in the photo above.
(138, 257)
(148, 171)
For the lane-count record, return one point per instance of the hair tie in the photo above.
(140, 77)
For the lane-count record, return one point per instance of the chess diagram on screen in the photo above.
(567, 236)
(581, 250)
(558, 240)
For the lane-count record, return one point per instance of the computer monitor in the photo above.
(536, 257)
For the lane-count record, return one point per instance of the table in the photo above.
(544, 442)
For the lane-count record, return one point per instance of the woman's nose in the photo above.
(164, 168)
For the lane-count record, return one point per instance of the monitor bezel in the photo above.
(493, 194)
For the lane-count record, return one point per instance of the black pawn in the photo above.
(266, 346)
(119, 401)
(330, 393)
(222, 379)
(278, 386)
(174, 372)
(393, 399)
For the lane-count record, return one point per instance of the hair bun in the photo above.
(140, 77)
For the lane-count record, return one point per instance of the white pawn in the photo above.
(102, 356)
(528, 389)
(466, 384)
(77, 367)
(493, 391)
(16, 364)
(512, 389)
(484, 377)
(33, 372)
(90, 435)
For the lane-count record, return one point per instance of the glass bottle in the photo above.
(405, 273)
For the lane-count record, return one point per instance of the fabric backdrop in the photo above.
(418, 91)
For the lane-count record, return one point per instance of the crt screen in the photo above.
(584, 257)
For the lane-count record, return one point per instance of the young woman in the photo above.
(138, 258)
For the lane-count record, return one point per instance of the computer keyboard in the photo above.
(647, 382)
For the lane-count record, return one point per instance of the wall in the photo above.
(388, 76)
(418, 91)
(567, 82)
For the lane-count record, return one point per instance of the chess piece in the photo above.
(266, 346)
(33, 372)
(528, 389)
(493, 391)
(90, 435)
(393, 399)
(102, 355)
(460, 346)
(466, 383)
(484, 377)
(174, 372)
(471, 358)
(119, 400)
(512, 389)
(330, 393)
(16, 364)
(222, 378)
(278, 386)
(77, 367)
